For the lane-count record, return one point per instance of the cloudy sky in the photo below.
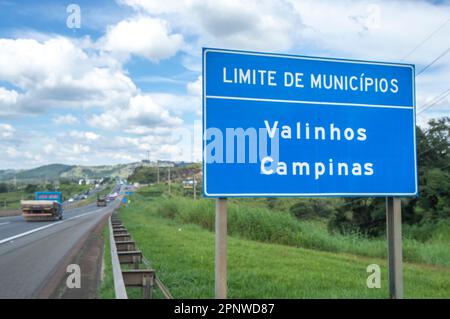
(127, 82)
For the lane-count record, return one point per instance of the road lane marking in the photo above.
(4, 223)
(2, 241)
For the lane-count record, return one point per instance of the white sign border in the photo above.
(299, 57)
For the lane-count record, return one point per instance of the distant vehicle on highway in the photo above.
(71, 200)
(46, 206)
(101, 201)
(112, 196)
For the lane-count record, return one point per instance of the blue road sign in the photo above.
(284, 125)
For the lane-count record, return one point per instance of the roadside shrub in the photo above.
(307, 209)
(168, 209)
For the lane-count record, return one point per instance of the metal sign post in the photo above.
(394, 237)
(221, 249)
(195, 188)
(157, 172)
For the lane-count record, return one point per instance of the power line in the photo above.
(441, 96)
(434, 101)
(426, 39)
(434, 61)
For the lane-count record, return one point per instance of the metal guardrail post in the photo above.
(119, 285)
(158, 281)
(123, 251)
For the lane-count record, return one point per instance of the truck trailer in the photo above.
(45, 207)
(101, 201)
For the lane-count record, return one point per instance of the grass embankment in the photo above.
(106, 290)
(183, 254)
(264, 225)
(11, 200)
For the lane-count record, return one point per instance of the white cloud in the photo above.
(49, 149)
(57, 72)
(13, 153)
(44, 72)
(195, 88)
(376, 30)
(251, 24)
(141, 113)
(84, 136)
(6, 131)
(7, 97)
(80, 149)
(179, 104)
(157, 7)
(143, 36)
(67, 119)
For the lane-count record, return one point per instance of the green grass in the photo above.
(264, 225)
(271, 254)
(106, 290)
(183, 256)
(11, 200)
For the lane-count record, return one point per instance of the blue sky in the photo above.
(127, 82)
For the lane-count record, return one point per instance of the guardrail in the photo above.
(119, 285)
(124, 251)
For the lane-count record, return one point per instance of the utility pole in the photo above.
(169, 179)
(157, 170)
(195, 189)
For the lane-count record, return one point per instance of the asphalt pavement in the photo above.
(30, 252)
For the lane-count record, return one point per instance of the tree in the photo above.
(360, 215)
(3, 187)
(367, 215)
(31, 188)
(312, 208)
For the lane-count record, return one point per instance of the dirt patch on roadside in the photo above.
(89, 256)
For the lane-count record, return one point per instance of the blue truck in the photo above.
(45, 206)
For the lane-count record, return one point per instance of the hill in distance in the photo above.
(72, 172)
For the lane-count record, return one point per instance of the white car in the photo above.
(70, 200)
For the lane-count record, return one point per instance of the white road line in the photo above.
(4, 223)
(44, 227)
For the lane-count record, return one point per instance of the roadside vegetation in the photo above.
(106, 289)
(271, 254)
(10, 195)
(295, 248)
(265, 225)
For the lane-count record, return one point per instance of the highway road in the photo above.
(32, 252)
